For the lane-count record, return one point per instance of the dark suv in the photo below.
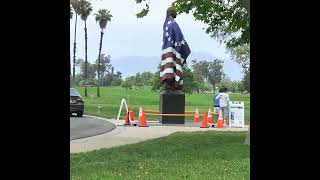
(76, 102)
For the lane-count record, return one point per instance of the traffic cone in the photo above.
(196, 117)
(204, 123)
(143, 121)
(127, 121)
(220, 120)
(140, 114)
(139, 117)
(209, 119)
(131, 114)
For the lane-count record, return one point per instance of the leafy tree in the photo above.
(146, 78)
(233, 86)
(246, 81)
(241, 55)
(156, 85)
(116, 80)
(109, 77)
(127, 83)
(105, 67)
(111, 80)
(137, 80)
(188, 80)
(206, 71)
(226, 20)
(200, 70)
(119, 74)
(91, 70)
(215, 72)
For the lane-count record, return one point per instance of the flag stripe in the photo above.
(168, 65)
(170, 75)
(168, 60)
(171, 55)
(167, 76)
(177, 78)
(172, 50)
(171, 64)
(179, 73)
(168, 70)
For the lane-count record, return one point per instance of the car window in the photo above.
(73, 92)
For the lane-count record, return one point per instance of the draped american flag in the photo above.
(175, 51)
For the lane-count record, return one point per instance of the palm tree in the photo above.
(85, 10)
(76, 7)
(103, 16)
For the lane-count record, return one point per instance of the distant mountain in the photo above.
(201, 56)
(131, 65)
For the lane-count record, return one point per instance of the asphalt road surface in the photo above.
(81, 127)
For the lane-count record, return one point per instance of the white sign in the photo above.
(236, 114)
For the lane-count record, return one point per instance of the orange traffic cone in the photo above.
(127, 122)
(220, 120)
(196, 117)
(131, 114)
(204, 123)
(143, 121)
(209, 119)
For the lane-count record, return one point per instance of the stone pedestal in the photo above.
(172, 103)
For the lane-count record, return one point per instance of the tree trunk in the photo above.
(247, 141)
(86, 60)
(74, 52)
(99, 57)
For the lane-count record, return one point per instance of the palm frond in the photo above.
(85, 9)
(103, 17)
(76, 6)
(71, 13)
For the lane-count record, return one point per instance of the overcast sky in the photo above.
(126, 35)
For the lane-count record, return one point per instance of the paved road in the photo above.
(81, 127)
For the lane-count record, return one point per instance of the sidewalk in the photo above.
(122, 135)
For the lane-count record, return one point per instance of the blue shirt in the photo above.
(216, 101)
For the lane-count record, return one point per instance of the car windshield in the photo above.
(73, 92)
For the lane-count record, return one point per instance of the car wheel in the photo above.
(79, 114)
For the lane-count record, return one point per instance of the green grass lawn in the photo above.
(196, 155)
(111, 98)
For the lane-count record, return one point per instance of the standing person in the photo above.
(216, 101)
(224, 105)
